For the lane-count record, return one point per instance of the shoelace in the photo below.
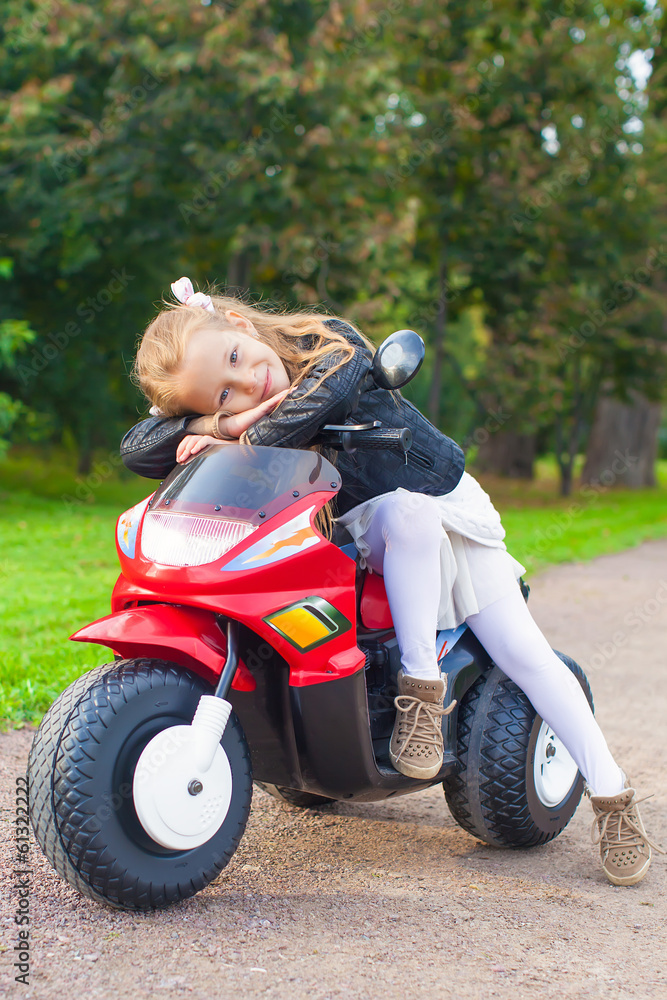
(628, 837)
(424, 730)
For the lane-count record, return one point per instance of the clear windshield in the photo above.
(241, 481)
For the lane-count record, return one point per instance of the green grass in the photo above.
(58, 560)
(543, 529)
(58, 565)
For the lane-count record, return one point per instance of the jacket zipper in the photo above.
(419, 458)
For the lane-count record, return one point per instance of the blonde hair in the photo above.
(162, 347)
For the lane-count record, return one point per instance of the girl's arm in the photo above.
(230, 426)
(226, 427)
(149, 448)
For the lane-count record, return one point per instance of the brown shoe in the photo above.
(625, 849)
(416, 748)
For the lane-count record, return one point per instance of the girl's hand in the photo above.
(240, 422)
(194, 443)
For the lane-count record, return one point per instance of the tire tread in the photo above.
(57, 761)
(487, 796)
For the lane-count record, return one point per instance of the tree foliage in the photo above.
(15, 335)
(468, 170)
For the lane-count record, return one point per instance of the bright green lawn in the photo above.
(58, 565)
(58, 562)
(543, 528)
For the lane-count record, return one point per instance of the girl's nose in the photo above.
(249, 381)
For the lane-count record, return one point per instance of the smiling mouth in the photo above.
(266, 383)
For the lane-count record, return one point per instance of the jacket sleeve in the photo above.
(149, 448)
(296, 421)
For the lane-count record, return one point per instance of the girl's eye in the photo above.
(223, 395)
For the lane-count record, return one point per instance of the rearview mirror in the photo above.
(398, 359)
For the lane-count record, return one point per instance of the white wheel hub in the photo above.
(554, 771)
(182, 784)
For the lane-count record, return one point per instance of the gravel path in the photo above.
(394, 900)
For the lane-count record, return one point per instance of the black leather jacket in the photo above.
(434, 466)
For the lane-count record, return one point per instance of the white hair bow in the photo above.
(186, 294)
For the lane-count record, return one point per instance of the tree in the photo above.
(530, 199)
(623, 445)
(15, 335)
(140, 143)
(389, 161)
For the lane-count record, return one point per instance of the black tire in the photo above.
(494, 796)
(305, 800)
(81, 767)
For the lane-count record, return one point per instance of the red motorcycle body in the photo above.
(315, 680)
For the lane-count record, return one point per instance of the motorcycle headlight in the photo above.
(178, 539)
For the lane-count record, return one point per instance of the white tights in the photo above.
(405, 551)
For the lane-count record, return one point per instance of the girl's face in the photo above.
(231, 370)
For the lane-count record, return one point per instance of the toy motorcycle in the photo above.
(249, 648)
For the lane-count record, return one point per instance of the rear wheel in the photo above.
(295, 798)
(81, 770)
(518, 786)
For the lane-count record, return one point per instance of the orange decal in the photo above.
(127, 524)
(296, 539)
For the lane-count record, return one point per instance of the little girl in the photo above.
(221, 371)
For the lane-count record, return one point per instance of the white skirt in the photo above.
(476, 568)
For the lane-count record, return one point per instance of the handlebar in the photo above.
(385, 437)
(349, 437)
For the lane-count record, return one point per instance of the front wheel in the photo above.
(518, 786)
(81, 769)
